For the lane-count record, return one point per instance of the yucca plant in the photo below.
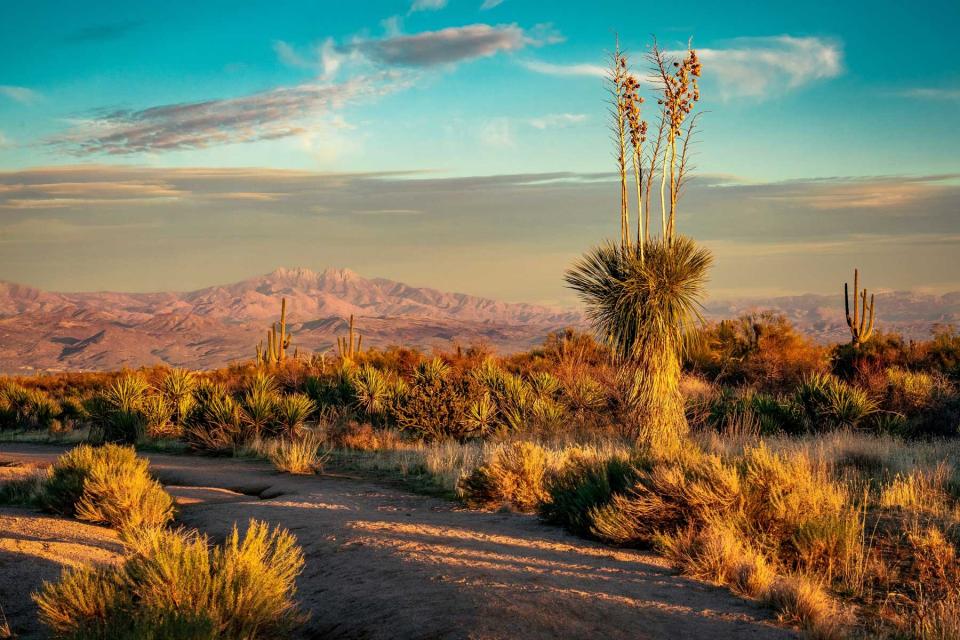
(292, 412)
(259, 405)
(643, 298)
(178, 387)
(372, 391)
(646, 309)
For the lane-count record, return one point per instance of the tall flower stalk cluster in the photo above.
(643, 295)
(678, 94)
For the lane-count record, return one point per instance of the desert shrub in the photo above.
(24, 491)
(372, 393)
(688, 488)
(719, 553)
(882, 351)
(515, 473)
(825, 402)
(762, 350)
(435, 405)
(215, 423)
(109, 485)
(335, 390)
(585, 483)
(25, 408)
(941, 418)
(784, 492)
(298, 455)
(801, 600)
(923, 490)
(770, 413)
(173, 585)
(942, 353)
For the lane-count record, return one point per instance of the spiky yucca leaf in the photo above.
(633, 301)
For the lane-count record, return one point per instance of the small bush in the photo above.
(515, 473)
(108, 485)
(300, 455)
(174, 586)
(584, 484)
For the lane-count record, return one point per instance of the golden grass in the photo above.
(174, 585)
(108, 485)
(299, 455)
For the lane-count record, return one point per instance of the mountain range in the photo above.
(211, 327)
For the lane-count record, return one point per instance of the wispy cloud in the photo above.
(931, 93)
(101, 32)
(557, 120)
(454, 44)
(760, 67)
(427, 5)
(744, 67)
(490, 4)
(266, 115)
(19, 94)
(575, 69)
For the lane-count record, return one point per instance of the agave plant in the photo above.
(645, 307)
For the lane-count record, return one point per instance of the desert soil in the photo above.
(383, 563)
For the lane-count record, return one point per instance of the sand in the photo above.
(383, 563)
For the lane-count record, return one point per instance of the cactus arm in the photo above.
(846, 304)
(870, 325)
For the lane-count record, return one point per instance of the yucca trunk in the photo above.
(659, 408)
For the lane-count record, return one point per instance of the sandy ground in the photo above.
(381, 563)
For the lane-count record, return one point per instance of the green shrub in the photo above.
(174, 586)
(108, 485)
(584, 484)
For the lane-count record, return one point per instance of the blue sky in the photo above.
(796, 94)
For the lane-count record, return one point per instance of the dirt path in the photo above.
(382, 563)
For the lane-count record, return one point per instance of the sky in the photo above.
(464, 144)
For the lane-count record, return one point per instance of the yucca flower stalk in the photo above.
(618, 75)
(680, 93)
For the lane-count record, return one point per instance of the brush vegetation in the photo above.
(174, 584)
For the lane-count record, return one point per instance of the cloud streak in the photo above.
(760, 67)
(266, 115)
(22, 95)
(447, 46)
(575, 69)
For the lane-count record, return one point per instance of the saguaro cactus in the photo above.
(861, 324)
(346, 345)
(278, 340)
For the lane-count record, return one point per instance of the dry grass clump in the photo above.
(801, 601)
(516, 473)
(923, 490)
(298, 455)
(174, 585)
(108, 485)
